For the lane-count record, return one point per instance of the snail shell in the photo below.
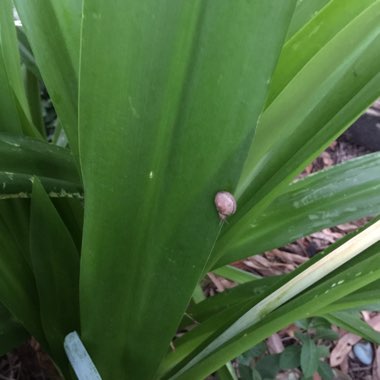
(225, 204)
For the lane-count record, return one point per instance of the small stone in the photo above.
(364, 352)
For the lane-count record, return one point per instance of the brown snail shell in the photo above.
(225, 204)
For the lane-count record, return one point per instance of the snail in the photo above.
(225, 204)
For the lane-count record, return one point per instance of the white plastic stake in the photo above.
(79, 358)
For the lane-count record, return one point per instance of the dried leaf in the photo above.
(343, 348)
(286, 257)
(274, 344)
(215, 280)
(375, 322)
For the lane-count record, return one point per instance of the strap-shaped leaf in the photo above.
(55, 263)
(17, 286)
(53, 29)
(324, 24)
(342, 193)
(326, 95)
(188, 81)
(351, 321)
(353, 275)
(11, 57)
(29, 156)
(304, 12)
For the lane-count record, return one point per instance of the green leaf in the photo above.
(12, 334)
(198, 295)
(325, 371)
(309, 357)
(11, 57)
(247, 357)
(304, 12)
(304, 305)
(186, 96)
(303, 324)
(326, 334)
(227, 372)
(318, 322)
(290, 357)
(17, 284)
(9, 116)
(268, 366)
(28, 156)
(365, 298)
(33, 90)
(246, 373)
(351, 321)
(53, 31)
(235, 274)
(237, 295)
(323, 351)
(328, 19)
(26, 54)
(342, 193)
(326, 98)
(55, 263)
(255, 375)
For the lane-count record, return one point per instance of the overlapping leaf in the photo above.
(337, 83)
(53, 29)
(188, 81)
(342, 193)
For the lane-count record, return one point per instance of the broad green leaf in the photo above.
(322, 351)
(53, 29)
(290, 357)
(314, 108)
(268, 366)
(55, 263)
(12, 334)
(339, 194)
(325, 371)
(188, 82)
(309, 359)
(351, 321)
